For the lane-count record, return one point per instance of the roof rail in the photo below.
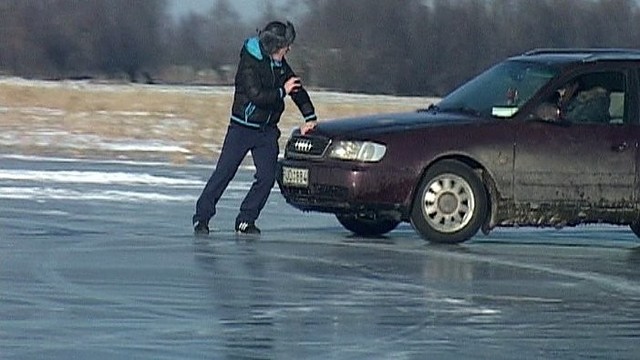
(593, 51)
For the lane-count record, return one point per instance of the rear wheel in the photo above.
(451, 203)
(365, 226)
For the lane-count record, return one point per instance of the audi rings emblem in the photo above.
(303, 145)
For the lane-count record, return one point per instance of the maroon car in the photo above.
(547, 138)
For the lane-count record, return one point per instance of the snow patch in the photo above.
(96, 177)
(47, 193)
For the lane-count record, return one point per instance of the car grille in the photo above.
(306, 147)
(317, 194)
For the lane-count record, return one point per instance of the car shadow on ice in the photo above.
(587, 236)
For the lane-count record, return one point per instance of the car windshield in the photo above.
(500, 91)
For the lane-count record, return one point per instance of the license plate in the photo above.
(295, 177)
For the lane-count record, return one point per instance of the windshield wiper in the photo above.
(463, 110)
(432, 107)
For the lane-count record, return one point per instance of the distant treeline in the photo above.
(420, 47)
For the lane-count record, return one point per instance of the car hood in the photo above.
(389, 123)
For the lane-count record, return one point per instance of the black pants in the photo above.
(263, 144)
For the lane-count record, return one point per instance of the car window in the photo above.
(616, 108)
(593, 98)
(500, 91)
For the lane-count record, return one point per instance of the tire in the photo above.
(451, 203)
(365, 226)
(635, 227)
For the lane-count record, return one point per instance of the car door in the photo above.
(583, 161)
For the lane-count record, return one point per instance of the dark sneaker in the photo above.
(201, 228)
(248, 228)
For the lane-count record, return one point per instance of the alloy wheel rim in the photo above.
(448, 203)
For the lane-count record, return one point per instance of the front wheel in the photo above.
(365, 226)
(451, 203)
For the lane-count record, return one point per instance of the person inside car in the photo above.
(591, 105)
(572, 103)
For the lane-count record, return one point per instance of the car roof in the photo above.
(584, 55)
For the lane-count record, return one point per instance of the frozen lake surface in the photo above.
(98, 261)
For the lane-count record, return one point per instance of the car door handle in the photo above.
(620, 147)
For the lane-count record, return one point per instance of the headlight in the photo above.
(357, 150)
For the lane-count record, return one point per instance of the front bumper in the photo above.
(343, 187)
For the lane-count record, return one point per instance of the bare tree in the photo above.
(227, 35)
(189, 44)
(127, 37)
(377, 46)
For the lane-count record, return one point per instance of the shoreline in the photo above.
(179, 124)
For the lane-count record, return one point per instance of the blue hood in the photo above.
(252, 45)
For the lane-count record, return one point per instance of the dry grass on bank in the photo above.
(194, 118)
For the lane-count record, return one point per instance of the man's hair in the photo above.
(277, 35)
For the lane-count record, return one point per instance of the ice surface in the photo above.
(97, 261)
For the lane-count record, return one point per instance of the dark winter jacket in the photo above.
(259, 93)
